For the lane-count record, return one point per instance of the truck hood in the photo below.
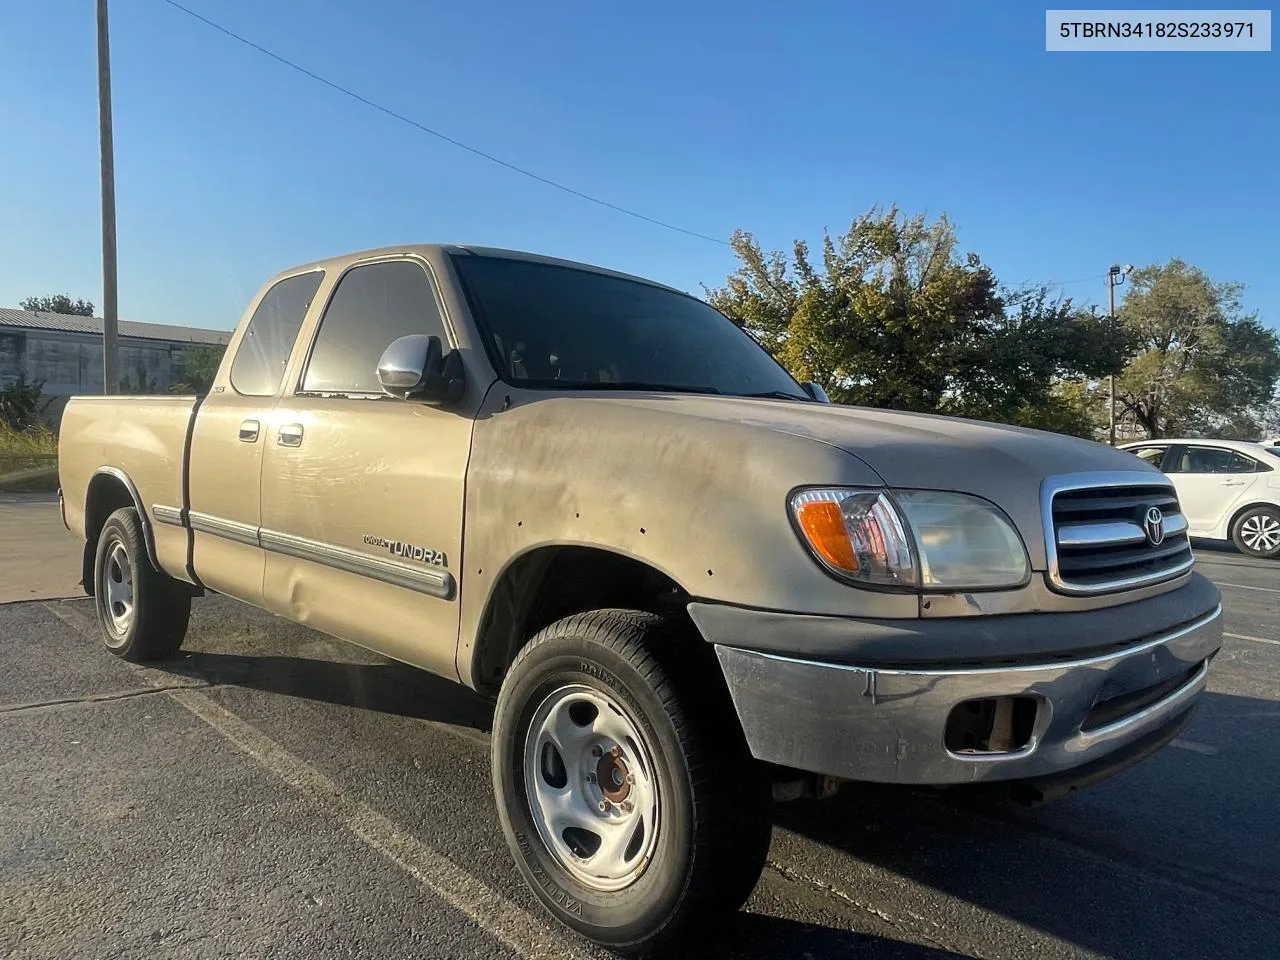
(1001, 463)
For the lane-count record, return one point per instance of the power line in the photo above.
(436, 133)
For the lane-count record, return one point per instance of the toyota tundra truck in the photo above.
(691, 584)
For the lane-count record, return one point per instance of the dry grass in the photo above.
(28, 459)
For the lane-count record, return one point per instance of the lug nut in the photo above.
(615, 752)
(591, 778)
(631, 778)
(596, 751)
(626, 806)
(604, 806)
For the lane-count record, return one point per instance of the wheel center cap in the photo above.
(611, 775)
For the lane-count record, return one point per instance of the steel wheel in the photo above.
(1260, 532)
(591, 785)
(118, 579)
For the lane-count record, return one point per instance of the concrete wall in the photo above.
(71, 363)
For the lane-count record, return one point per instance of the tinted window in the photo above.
(372, 306)
(1153, 455)
(268, 340)
(556, 326)
(1215, 460)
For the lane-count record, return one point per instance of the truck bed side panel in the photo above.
(142, 437)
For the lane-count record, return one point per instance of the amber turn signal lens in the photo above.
(823, 524)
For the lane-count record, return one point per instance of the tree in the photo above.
(20, 406)
(199, 369)
(1201, 365)
(58, 303)
(894, 317)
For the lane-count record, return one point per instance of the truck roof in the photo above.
(431, 250)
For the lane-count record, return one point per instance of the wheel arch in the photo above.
(110, 489)
(1241, 511)
(548, 582)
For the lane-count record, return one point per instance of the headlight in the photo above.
(911, 539)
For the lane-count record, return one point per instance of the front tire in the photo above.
(624, 786)
(143, 612)
(1256, 532)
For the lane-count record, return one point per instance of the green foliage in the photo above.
(201, 367)
(58, 303)
(20, 406)
(36, 441)
(894, 317)
(1201, 366)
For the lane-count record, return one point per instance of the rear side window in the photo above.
(264, 350)
(1216, 460)
(372, 306)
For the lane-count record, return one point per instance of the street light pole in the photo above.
(110, 321)
(1115, 277)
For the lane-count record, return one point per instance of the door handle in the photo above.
(290, 435)
(1233, 483)
(249, 431)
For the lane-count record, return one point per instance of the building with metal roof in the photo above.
(65, 352)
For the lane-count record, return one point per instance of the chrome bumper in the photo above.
(887, 725)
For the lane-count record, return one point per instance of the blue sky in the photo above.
(781, 119)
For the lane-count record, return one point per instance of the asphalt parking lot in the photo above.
(275, 793)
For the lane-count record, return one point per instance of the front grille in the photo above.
(1101, 537)
(1112, 709)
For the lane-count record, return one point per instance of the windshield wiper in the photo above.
(774, 395)
(631, 385)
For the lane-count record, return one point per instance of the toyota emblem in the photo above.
(1153, 526)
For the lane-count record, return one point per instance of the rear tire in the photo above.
(685, 835)
(1256, 532)
(143, 612)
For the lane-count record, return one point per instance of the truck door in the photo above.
(225, 468)
(362, 494)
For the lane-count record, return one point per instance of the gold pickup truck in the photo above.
(692, 584)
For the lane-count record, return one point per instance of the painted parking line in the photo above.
(1245, 586)
(520, 931)
(1245, 636)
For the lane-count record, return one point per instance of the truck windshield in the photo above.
(553, 326)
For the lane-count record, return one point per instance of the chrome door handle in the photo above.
(249, 431)
(290, 435)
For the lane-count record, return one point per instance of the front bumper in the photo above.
(888, 724)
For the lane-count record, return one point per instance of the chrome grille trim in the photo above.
(1116, 541)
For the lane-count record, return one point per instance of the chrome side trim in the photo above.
(148, 535)
(435, 583)
(1117, 532)
(220, 527)
(1052, 486)
(169, 515)
(1101, 659)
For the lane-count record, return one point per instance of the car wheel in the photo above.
(143, 612)
(1256, 532)
(624, 785)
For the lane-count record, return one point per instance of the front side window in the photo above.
(553, 326)
(1152, 455)
(373, 305)
(268, 340)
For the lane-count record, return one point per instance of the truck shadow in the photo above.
(753, 936)
(1173, 858)
(387, 687)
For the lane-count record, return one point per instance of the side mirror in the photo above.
(814, 389)
(415, 368)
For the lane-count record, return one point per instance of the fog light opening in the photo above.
(990, 726)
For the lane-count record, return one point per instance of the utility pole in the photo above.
(110, 321)
(1115, 277)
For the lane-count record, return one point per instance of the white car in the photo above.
(1229, 489)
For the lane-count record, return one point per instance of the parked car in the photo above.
(1229, 489)
(691, 584)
